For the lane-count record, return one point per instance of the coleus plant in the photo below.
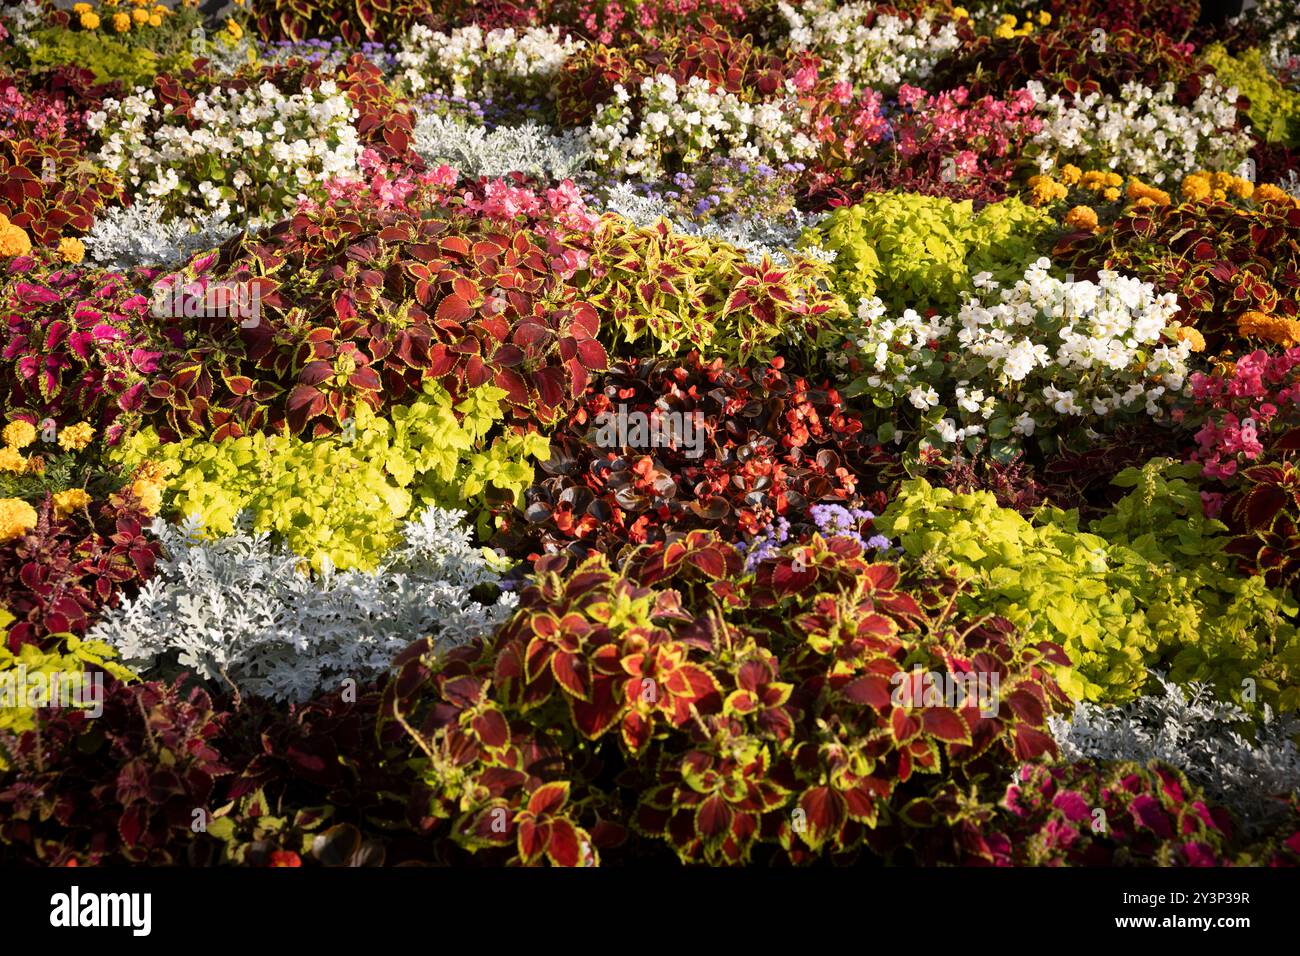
(361, 301)
(680, 702)
(120, 788)
(79, 344)
(49, 188)
(59, 576)
(679, 292)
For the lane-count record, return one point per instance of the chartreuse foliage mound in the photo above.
(1148, 587)
(915, 251)
(342, 497)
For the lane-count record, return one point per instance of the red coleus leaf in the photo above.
(548, 798)
(453, 308)
(945, 724)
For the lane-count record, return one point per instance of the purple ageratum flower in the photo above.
(767, 545)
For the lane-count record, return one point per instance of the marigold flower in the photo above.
(1111, 194)
(1045, 189)
(141, 17)
(1140, 194)
(13, 241)
(1185, 333)
(71, 250)
(17, 517)
(19, 433)
(1270, 193)
(12, 460)
(80, 8)
(1195, 187)
(234, 29)
(76, 437)
(155, 20)
(1242, 188)
(121, 22)
(90, 21)
(149, 494)
(1082, 217)
(66, 502)
(1270, 328)
(1070, 174)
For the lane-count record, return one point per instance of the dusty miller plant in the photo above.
(126, 237)
(241, 611)
(475, 151)
(1251, 768)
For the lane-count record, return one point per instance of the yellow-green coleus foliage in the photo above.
(343, 497)
(1274, 110)
(916, 252)
(1151, 590)
(668, 292)
(21, 671)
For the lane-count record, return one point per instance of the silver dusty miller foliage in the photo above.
(123, 238)
(474, 151)
(1250, 769)
(238, 610)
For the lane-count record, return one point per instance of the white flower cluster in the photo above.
(471, 63)
(1204, 737)
(238, 609)
(1027, 357)
(758, 237)
(245, 153)
(891, 51)
(1143, 132)
(141, 235)
(475, 152)
(24, 18)
(695, 121)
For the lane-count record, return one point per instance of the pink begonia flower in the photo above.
(805, 78)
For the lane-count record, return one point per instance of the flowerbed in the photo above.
(597, 433)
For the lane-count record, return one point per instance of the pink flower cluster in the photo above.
(557, 210)
(36, 117)
(1242, 410)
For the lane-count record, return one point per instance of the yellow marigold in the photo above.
(155, 21)
(1045, 189)
(1111, 194)
(19, 433)
(1270, 328)
(121, 22)
(1004, 32)
(110, 3)
(139, 3)
(80, 8)
(1070, 174)
(76, 437)
(90, 21)
(66, 502)
(1044, 18)
(1270, 193)
(234, 29)
(17, 517)
(149, 493)
(141, 17)
(11, 459)
(1082, 217)
(1223, 180)
(959, 13)
(1195, 187)
(1185, 333)
(1242, 188)
(71, 250)
(1138, 191)
(13, 241)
